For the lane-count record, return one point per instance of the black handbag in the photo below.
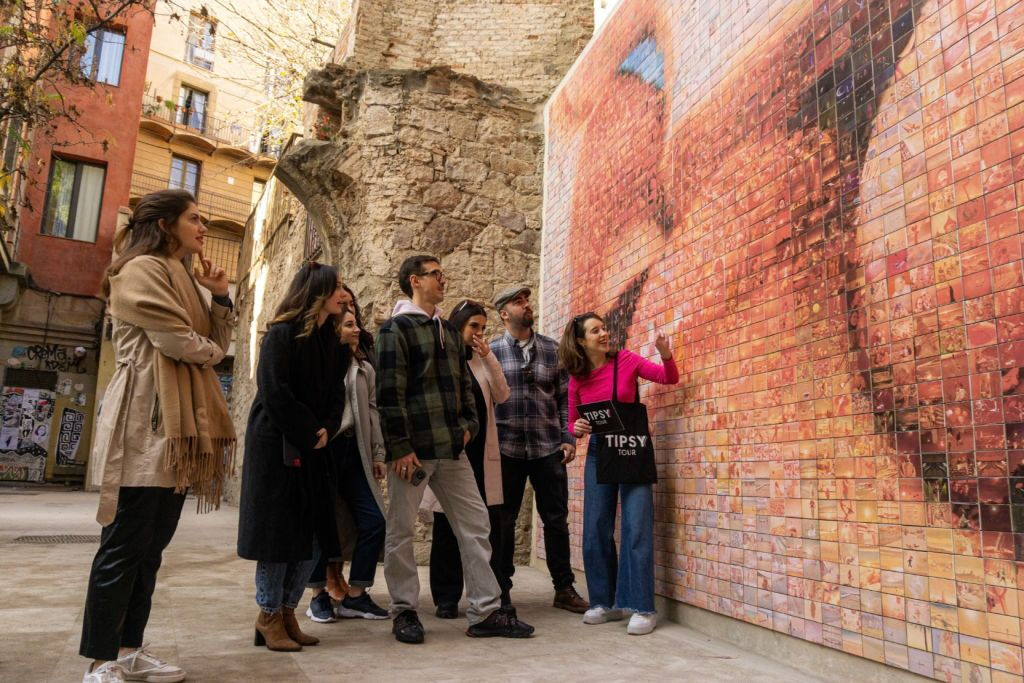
(626, 456)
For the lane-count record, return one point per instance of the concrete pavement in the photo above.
(203, 613)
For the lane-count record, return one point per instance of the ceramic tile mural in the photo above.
(821, 201)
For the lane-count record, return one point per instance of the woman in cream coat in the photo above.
(489, 387)
(357, 455)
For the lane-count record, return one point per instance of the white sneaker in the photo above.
(110, 672)
(600, 615)
(641, 624)
(142, 665)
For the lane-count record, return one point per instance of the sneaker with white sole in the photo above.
(641, 624)
(143, 665)
(321, 608)
(362, 607)
(109, 672)
(601, 615)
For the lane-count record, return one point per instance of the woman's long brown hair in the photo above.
(305, 298)
(570, 352)
(144, 234)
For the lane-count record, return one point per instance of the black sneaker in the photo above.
(447, 610)
(362, 607)
(407, 627)
(320, 609)
(501, 623)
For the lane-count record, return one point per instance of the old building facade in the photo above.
(75, 195)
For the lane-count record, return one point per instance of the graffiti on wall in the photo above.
(821, 201)
(57, 357)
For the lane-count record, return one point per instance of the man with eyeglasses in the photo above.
(535, 441)
(428, 415)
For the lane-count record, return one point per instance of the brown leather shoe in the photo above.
(270, 631)
(291, 625)
(569, 599)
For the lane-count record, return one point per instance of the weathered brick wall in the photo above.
(524, 44)
(820, 202)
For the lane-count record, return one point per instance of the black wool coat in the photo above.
(300, 388)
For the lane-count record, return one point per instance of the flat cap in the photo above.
(506, 295)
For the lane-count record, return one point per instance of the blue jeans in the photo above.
(355, 491)
(280, 584)
(626, 581)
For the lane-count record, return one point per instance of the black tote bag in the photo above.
(626, 456)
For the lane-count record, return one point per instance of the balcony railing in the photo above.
(212, 206)
(201, 123)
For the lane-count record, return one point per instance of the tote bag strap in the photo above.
(615, 382)
(615, 379)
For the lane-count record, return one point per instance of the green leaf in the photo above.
(78, 32)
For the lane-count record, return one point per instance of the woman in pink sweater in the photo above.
(623, 584)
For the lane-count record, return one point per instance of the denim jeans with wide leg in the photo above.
(625, 580)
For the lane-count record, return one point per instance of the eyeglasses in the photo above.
(439, 274)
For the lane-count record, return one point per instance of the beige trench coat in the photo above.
(129, 447)
(494, 388)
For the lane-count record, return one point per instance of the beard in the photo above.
(525, 320)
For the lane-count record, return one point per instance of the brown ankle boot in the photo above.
(270, 631)
(569, 599)
(291, 625)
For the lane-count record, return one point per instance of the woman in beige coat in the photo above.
(489, 387)
(163, 428)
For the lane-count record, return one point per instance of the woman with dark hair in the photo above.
(624, 584)
(164, 427)
(489, 388)
(365, 338)
(285, 504)
(357, 459)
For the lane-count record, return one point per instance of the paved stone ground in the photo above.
(203, 613)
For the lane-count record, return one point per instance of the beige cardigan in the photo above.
(494, 388)
(129, 447)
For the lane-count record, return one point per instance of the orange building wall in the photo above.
(821, 203)
(109, 114)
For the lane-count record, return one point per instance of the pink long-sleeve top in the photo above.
(597, 386)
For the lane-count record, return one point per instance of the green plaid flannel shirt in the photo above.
(424, 390)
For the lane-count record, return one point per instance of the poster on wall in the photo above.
(69, 436)
(26, 414)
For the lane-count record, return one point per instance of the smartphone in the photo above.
(418, 475)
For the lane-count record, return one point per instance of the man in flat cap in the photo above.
(535, 441)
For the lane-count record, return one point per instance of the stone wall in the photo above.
(422, 162)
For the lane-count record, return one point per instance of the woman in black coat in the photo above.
(286, 500)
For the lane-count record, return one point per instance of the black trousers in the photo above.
(550, 484)
(124, 570)
(446, 563)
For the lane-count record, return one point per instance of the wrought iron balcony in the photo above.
(197, 122)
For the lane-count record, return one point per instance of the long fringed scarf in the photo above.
(159, 294)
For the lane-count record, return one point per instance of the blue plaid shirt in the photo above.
(533, 422)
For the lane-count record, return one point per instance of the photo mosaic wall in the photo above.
(821, 202)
